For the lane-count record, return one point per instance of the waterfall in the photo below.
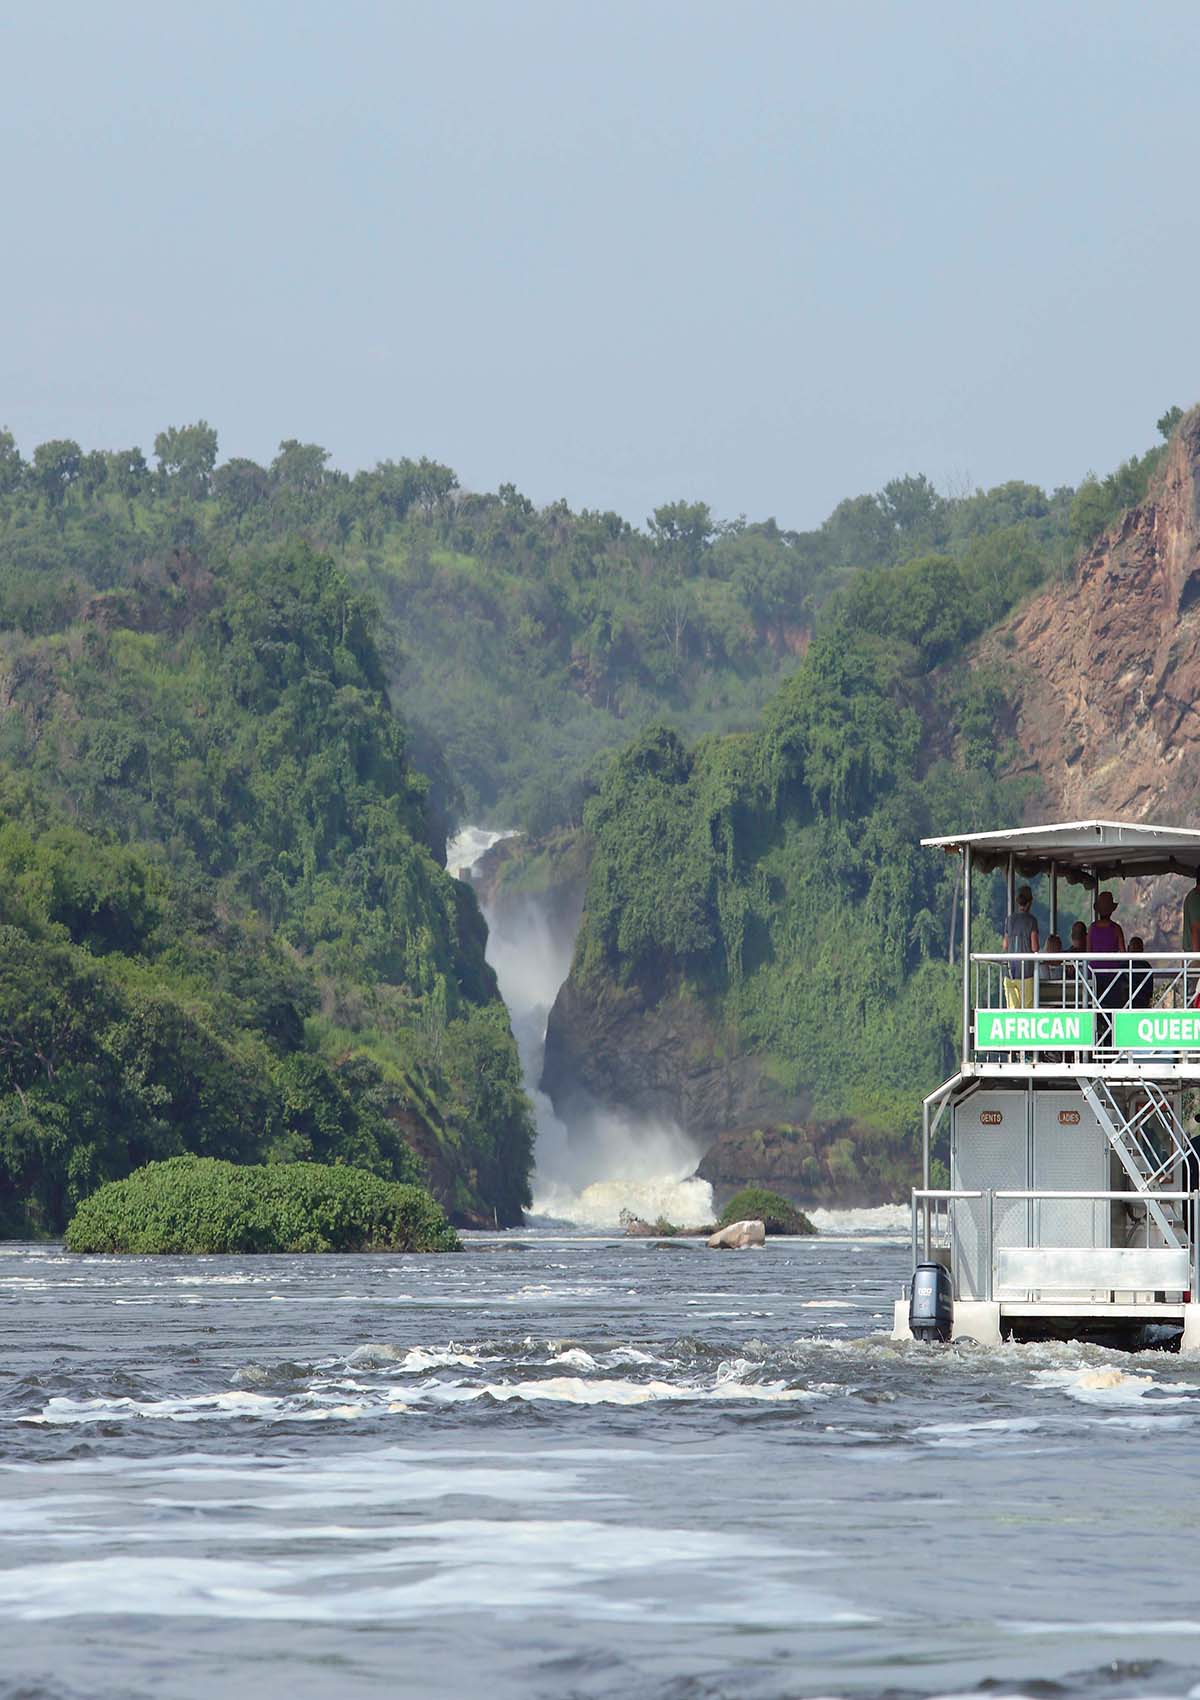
(606, 1161)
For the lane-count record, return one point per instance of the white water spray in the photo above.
(606, 1162)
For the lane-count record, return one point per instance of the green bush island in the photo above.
(201, 1204)
(776, 1213)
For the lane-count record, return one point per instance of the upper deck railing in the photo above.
(1085, 1008)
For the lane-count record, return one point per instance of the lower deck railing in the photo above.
(1013, 1271)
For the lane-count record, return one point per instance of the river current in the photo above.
(572, 1467)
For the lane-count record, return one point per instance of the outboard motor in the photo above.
(931, 1303)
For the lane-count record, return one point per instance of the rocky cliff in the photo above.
(835, 1163)
(1105, 672)
(666, 1061)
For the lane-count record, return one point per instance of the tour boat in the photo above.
(1072, 1208)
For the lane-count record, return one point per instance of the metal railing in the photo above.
(934, 1205)
(1156, 994)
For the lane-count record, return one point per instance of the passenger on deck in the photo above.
(1105, 935)
(1191, 942)
(1051, 970)
(1073, 998)
(1051, 976)
(1191, 917)
(1141, 980)
(1021, 934)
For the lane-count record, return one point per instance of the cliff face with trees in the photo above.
(765, 946)
(1106, 667)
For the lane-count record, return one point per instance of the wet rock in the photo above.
(738, 1236)
(663, 1059)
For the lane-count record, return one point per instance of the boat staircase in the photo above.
(1151, 1144)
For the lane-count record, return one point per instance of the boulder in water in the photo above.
(738, 1236)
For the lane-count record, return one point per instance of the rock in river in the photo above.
(738, 1236)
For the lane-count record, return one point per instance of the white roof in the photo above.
(1103, 849)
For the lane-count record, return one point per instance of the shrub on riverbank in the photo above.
(200, 1204)
(776, 1213)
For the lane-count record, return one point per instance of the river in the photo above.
(570, 1467)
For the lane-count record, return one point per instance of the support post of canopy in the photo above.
(1054, 897)
(966, 954)
(1012, 883)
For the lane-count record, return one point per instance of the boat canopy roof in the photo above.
(1083, 850)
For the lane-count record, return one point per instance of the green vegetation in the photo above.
(776, 1213)
(224, 923)
(199, 1204)
(534, 641)
(225, 926)
(775, 876)
(1098, 502)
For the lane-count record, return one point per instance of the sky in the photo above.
(763, 255)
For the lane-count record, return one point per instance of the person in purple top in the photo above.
(1104, 935)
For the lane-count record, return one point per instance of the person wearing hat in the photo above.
(1105, 935)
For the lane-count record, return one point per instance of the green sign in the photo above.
(1036, 1029)
(1156, 1029)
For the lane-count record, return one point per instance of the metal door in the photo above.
(989, 1149)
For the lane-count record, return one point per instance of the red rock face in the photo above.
(1106, 671)
(1108, 666)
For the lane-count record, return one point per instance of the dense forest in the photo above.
(532, 643)
(227, 928)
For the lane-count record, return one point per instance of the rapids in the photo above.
(577, 1468)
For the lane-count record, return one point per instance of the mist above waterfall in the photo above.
(604, 1161)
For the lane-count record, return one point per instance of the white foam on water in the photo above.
(575, 1358)
(573, 1390)
(871, 1219)
(985, 1429)
(828, 1304)
(200, 1407)
(467, 846)
(1106, 1384)
(677, 1197)
(412, 1360)
(508, 1565)
(324, 1397)
(1145, 1629)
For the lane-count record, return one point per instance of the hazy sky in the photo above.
(765, 254)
